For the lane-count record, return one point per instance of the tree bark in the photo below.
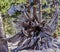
(35, 10)
(28, 6)
(40, 11)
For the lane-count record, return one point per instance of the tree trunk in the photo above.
(35, 10)
(3, 42)
(40, 11)
(28, 6)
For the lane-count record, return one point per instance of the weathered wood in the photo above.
(39, 36)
